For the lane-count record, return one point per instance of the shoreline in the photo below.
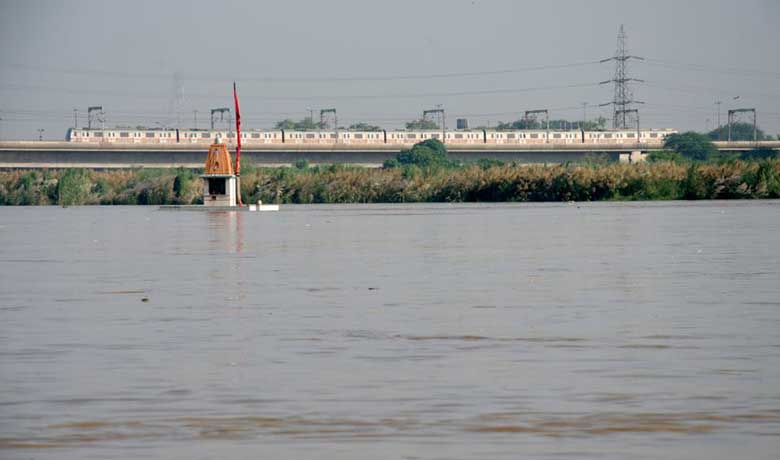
(337, 184)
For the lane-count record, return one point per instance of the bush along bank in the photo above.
(431, 182)
(423, 173)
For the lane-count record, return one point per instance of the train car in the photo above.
(653, 137)
(362, 137)
(620, 137)
(525, 137)
(308, 137)
(402, 137)
(259, 137)
(123, 136)
(468, 137)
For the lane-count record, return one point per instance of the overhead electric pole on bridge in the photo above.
(635, 112)
(323, 112)
(622, 97)
(530, 115)
(221, 111)
(97, 110)
(440, 112)
(731, 121)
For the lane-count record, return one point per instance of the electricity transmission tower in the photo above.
(622, 97)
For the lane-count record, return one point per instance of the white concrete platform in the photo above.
(200, 207)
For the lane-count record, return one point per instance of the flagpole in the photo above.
(238, 147)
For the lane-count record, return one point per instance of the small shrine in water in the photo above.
(219, 179)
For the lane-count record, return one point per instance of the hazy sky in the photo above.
(380, 62)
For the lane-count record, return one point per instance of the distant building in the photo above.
(462, 123)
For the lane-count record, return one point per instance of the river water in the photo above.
(598, 330)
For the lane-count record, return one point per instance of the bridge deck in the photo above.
(26, 154)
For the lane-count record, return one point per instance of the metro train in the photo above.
(252, 138)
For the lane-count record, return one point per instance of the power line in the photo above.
(708, 89)
(304, 98)
(710, 69)
(298, 79)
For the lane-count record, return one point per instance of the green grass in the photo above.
(486, 181)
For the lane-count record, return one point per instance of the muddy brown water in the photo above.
(605, 330)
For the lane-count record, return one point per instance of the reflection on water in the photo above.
(423, 331)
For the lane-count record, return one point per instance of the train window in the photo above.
(630, 135)
(510, 136)
(310, 136)
(654, 135)
(97, 134)
(607, 135)
(459, 136)
(149, 134)
(333, 135)
(411, 136)
(358, 136)
(205, 135)
(255, 135)
(534, 136)
(231, 135)
(124, 134)
(557, 136)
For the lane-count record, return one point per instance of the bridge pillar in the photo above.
(637, 156)
(634, 157)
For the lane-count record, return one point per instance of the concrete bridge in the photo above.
(31, 154)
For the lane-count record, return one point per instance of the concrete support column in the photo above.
(637, 156)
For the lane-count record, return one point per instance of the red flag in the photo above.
(238, 131)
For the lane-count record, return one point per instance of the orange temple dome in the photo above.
(218, 161)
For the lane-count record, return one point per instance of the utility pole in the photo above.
(40, 133)
(622, 96)
(584, 114)
(718, 103)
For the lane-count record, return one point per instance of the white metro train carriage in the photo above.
(411, 137)
(532, 137)
(465, 137)
(395, 137)
(229, 137)
(627, 136)
(332, 137)
(121, 136)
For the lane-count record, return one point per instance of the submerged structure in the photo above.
(219, 180)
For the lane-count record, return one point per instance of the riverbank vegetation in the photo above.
(488, 181)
